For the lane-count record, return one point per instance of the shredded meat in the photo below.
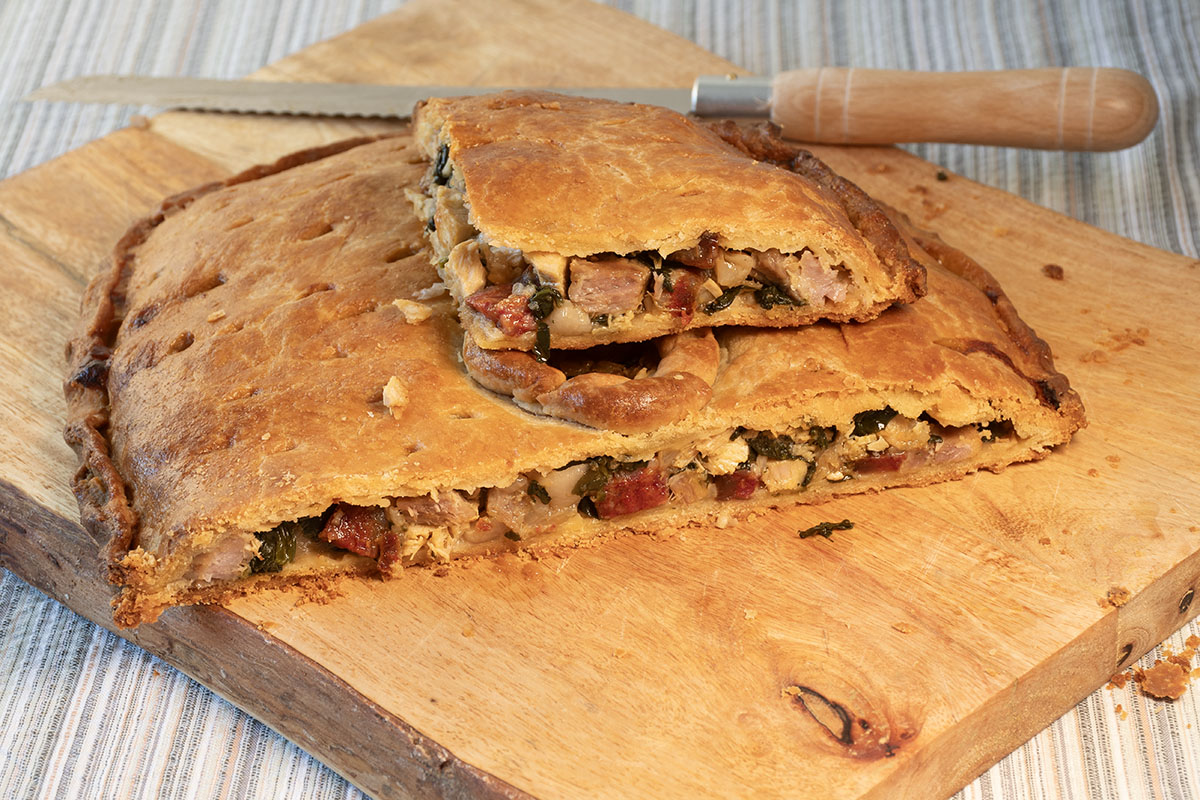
(607, 286)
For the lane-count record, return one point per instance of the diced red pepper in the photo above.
(358, 529)
(736, 485)
(681, 300)
(510, 312)
(881, 463)
(627, 492)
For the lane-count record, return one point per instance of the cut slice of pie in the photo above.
(566, 222)
(263, 392)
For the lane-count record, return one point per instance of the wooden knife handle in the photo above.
(1071, 108)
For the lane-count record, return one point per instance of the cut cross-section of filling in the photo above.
(520, 293)
(731, 469)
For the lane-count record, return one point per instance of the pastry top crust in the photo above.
(229, 368)
(577, 176)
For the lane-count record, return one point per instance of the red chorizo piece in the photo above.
(737, 485)
(510, 312)
(358, 529)
(628, 492)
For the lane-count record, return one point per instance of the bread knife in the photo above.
(1069, 108)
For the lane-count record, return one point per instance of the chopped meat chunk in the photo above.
(510, 312)
(607, 286)
(778, 269)
(822, 282)
(450, 508)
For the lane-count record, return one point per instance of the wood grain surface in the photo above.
(899, 659)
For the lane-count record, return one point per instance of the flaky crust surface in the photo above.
(229, 368)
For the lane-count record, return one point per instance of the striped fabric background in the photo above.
(85, 715)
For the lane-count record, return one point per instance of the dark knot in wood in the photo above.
(831, 716)
(1126, 652)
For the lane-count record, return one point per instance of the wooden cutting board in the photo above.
(896, 660)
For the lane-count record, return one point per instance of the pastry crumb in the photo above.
(395, 396)
(413, 312)
(1127, 338)
(429, 292)
(468, 631)
(903, 627)
(1116, 597)
(215, 316)
(1053, 271)
(1166, 680)
(1095, 473)
(750, 613)
(1044, 541)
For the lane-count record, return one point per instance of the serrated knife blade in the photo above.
(325, 99)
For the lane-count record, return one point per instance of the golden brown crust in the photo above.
(681, 384)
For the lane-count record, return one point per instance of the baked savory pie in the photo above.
(264, 390)
(565, 222)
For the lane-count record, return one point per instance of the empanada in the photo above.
(264, 390)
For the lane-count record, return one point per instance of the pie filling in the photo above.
(549, 294)
(735, 465)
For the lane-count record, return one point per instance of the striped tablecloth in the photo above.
(83, 714)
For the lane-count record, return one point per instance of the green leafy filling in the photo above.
(868, 422)
(826, 529)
